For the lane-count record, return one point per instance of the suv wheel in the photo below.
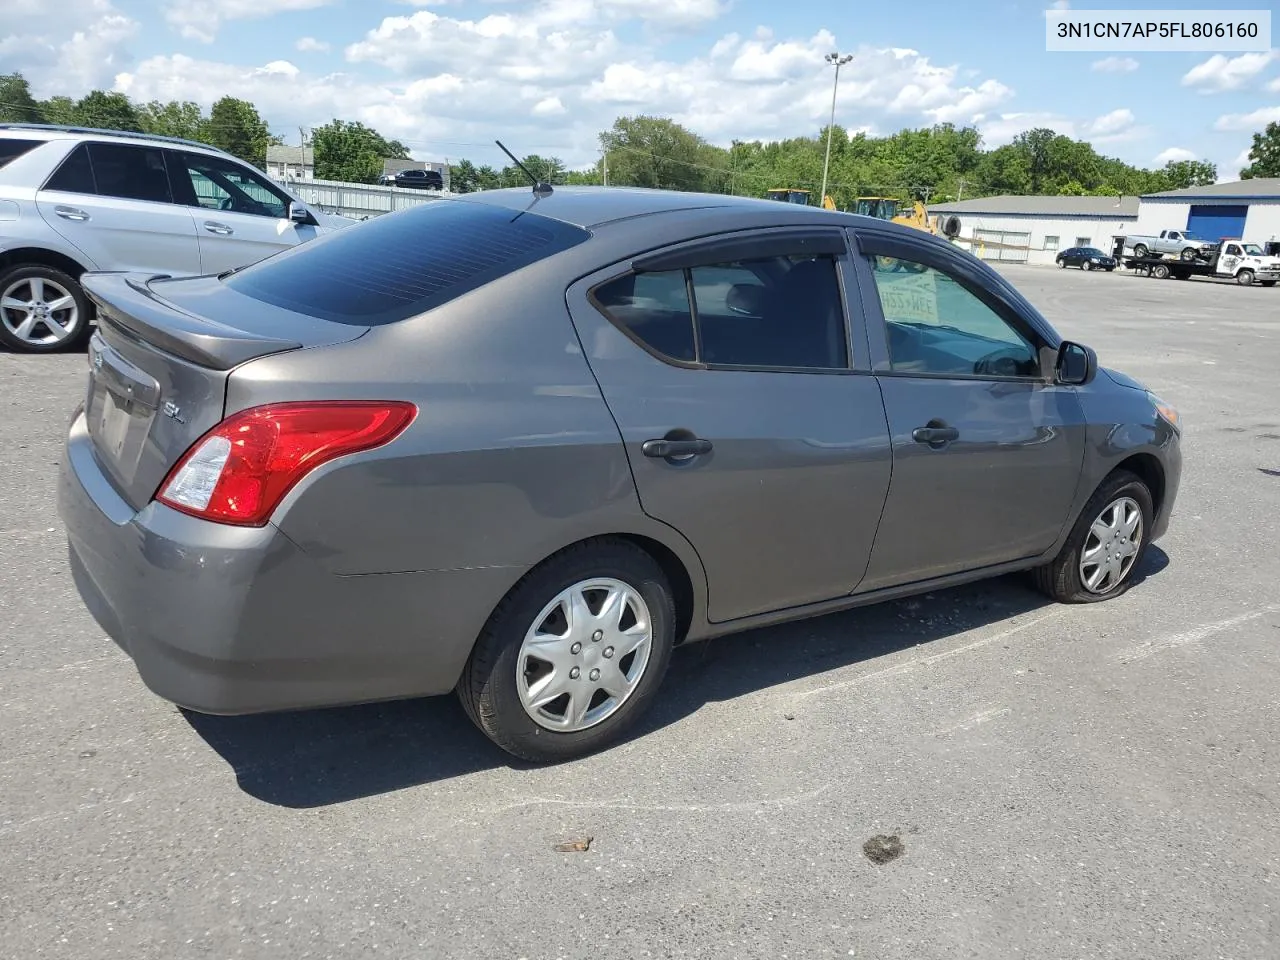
(42, 310)
(573, 654)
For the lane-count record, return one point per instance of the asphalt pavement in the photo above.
(972, 773)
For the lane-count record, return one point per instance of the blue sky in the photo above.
(546, 76)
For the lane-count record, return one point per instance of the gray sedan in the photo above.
(521, 446)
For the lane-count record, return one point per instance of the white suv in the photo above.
(74, 199)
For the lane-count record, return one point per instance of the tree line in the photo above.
(942, 162)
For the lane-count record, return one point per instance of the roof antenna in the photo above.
(540, 187)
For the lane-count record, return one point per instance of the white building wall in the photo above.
(1263, 223)
(1157, 215)
(1048, 235)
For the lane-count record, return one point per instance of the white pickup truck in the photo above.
(1187, 246)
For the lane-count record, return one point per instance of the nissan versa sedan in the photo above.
(522, 445)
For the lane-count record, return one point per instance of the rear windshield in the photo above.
(399, 265)
(12, 149)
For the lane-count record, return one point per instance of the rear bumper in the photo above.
(231, 620)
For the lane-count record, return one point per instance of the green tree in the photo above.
(236, 127)
(108, 111)
(173, 119)
(1264, 155)
(655, 152)
(60, 110)
(354, 152)
(1189, 173)
(16, 103)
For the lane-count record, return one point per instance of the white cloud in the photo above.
(69, 47)
(1219, 73)
(1274, 86)
(1248, 121)
(312, 45)
(1241, 161)
(1173, 154)
(1000, 130)
(548, 107)
(201, 19)
(1110, 124)
(1114, 65)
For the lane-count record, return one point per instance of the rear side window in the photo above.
(12, 149)
(784, 311)
(399, 265)
(75, 175)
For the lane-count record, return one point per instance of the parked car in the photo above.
(414, 179)
(1086, 258)
(561, 435)
(74, 199)
(1179, 242)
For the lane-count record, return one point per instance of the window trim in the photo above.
(944, 260)
(763, 245)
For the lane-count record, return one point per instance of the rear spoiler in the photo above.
(126, 301)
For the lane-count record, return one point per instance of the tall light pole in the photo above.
(837, 61)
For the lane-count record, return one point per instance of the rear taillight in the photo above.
(240, 470)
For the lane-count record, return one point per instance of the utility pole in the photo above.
(837, 61)
(960, 192)
(604, 163)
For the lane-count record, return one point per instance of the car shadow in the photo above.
(316, 758)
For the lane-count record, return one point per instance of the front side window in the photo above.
(938, 327)
(771, 312)
(224, 185)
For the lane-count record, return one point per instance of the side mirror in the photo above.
(300, 214)
(1076, 364)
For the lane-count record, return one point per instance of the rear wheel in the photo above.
(1244, 278)
(1160, 271)
(1140, 250)
(42, 309)
(573, 654)
(1106, 544)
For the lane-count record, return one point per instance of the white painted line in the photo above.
(976, 720)
(1195, 635)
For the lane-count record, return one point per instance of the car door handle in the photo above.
(675, 449)
(221, 229)
(935, 433)
(71, 213)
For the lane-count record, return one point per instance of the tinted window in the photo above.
(654, 309)
(130, 173)
(75, 175)
(401, 264)
(12, 149)
(938, 327)
(225, 185)
(771, 313)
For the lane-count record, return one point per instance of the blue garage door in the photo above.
(1214, 222)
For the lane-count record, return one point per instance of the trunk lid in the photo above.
(159, 364)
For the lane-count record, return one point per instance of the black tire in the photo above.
(1160, 271)
(488, 688)
(1062, 263)
(1140, 250)
(1060, 578)
(1244, 278)
(1188, 255)
(1267, 283)
(84, 309)
(1111, 269)
(1086, 266)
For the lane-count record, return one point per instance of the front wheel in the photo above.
(42, 309)
(1188, 254)
(1086, 266)
(1244, 278)
(1062, 263)
(573, 654)
(1106, 544)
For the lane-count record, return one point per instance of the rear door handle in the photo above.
(675, 449)
(71, 213)
(221, 229)
(935, 433)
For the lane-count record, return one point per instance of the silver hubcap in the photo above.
(38, 311)
(584, 655)
(1112, 546)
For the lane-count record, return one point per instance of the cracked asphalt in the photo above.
(1036, 781)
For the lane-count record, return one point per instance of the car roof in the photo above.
(590, 207)
(51, 131)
